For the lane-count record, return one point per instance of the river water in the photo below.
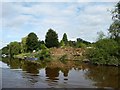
(24, 74)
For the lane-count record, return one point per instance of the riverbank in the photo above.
(67, 53)
(59, 55)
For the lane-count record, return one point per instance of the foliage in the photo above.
(114, 28)
(80, 43)
(40, 44)
(64, 39)
(32, 42)
(116, 12)
(72, 43)
(23, 45)
(45, 53)
(51, 39)
(14, 48)
(105, 51)
(5, 50)
(83, 41)
(43, 47)
(62, 44)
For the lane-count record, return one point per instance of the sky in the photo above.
(76, 18)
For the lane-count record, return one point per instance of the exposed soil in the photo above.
(71, 53)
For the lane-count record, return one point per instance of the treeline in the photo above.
(105, 51)
(31, 43)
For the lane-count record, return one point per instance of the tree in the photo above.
(107, 50)
(114, 28)
(32, 42)
(14, 48)
(64, 39)
(51, 39)
(116, 12)
(23, 45)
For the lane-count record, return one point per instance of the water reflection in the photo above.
(65, 71)
(12, 63)
(99, 76)
(27, 66)
(30, 67)
(31, 78)
(104, 76)
(52, 74)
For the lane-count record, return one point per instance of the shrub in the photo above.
(105, 51)
(44, 54)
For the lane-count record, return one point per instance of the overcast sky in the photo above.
(77, 19)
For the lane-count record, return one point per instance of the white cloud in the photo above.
(82, 20)
(59, 1)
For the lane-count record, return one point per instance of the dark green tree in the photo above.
(32, 42)
(51, 39)
(64, 39)
(14, 48)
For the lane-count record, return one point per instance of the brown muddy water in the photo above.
(24, 74)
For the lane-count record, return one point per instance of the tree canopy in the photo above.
(51, 39)
(14, 48)
(32, 42)
(114, 28)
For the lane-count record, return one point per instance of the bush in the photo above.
(42, 46)
(44, 54)
(105, 51)
(81, 45)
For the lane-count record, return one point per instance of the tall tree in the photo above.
(51, 39)
(64, 39)
(32, 42)
(14, 48)
(114, 29)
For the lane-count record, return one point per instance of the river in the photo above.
(23, 74)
